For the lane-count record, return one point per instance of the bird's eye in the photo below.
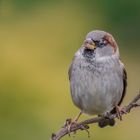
(100, 43)
(96, 42)
(103, 42)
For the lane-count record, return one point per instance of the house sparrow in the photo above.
(97, 76)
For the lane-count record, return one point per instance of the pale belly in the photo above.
(96, 92)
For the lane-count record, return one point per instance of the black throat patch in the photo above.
(88, 53)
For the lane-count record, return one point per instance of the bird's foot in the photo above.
(120, 111)
(72, 123)
(85, 127)
(69, 124)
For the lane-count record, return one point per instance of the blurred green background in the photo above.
(38, 39)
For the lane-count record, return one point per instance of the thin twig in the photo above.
(84, 124)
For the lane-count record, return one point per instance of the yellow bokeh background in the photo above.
(37, 42)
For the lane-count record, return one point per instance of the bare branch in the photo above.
(84, 124)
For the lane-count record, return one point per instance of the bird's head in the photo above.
(100, 43)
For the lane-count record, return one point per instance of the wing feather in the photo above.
(124, 85)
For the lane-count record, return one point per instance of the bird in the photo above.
(97, 76)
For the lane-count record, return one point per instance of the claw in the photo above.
(86, 127)
(69, 123)
(120, 111)
(73, 123)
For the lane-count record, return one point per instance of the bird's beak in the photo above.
(89, 44)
